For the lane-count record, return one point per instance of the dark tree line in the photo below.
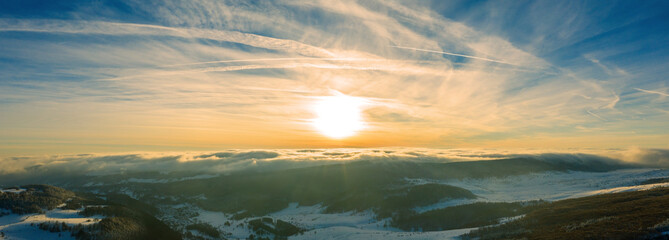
(34, 199)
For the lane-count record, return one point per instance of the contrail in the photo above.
(654, 92)
(597, 116)
(454, 54)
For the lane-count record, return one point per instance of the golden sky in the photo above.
(207, 75)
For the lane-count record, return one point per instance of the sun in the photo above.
(339, 116)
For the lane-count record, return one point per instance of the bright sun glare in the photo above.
(339, 116)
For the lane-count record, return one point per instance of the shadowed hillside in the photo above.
(627, 215)
(126, 219)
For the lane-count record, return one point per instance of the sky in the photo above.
(119, 76)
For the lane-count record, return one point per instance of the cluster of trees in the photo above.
(109, 211)
(79, 231)
(34, 199)
(655, 180)
(122, 228)
(279, 228)
(123, 222)
(206, 229)
(392, 201)
(120, 223)
(253, 237)
(462, 216)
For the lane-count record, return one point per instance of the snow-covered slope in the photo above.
(26, 226)
(554, 185)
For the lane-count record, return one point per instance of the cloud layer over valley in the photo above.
(267, 160)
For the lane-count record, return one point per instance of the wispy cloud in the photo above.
(116, 28)
(652, 92)
(613, 102)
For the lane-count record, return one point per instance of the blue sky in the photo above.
(90, 76)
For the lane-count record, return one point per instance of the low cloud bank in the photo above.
(237, 160)
(647, 157)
